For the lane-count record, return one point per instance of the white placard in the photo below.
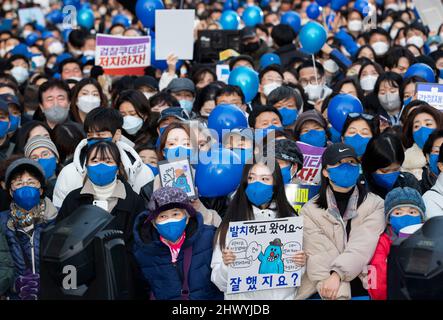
(431, 13)
(223, 72)
(29, 15)
(174, 34)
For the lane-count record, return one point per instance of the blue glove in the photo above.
(27, 286)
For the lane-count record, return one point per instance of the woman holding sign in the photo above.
(260, 196)
(341, 229)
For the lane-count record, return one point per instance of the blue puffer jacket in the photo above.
(165, 278)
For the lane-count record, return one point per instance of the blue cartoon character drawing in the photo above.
(181, 181)
(271, 261)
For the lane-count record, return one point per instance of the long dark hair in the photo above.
(240, 208)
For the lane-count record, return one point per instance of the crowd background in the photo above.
(71, 135)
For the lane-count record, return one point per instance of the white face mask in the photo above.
(433, 47)
(148, 95)
(56, 48)
(380, 48)
(88, 103)
(102, 11)
(368, 83)
(56, 114)
(393, 33)
(386, 25)
(314, 91)
(132, 124)
(390, 101)
(330, 66)
(20, 74)
(355, 25)
(416, 40)
(26, 33)
(403, 42)
(39, 61)
(268, 88)
(392, 6)
(89, 53)
(7, 49)
(7, 7)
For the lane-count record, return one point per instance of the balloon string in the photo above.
(315, 69)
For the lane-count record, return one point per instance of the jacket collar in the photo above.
(119, 190)
(351, 210)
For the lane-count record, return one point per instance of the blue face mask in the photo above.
(186, 105)
(4, 126)
(177, 153)
(399, 223)
(101, 174)
(433, 164)
(259, 193)
(153, 169)
(49, 165)
(358, 142)
(335, 135)
(315, 138)
(289, 116)
(421, 135)
(345, 175)
(243, 154)
(26, 197)
(172, 229)
(386, 180)
(14, 123)
(93, 141)
(441, 73)
(407, 101)
(286, 174)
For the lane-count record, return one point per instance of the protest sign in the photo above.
(177, 174)
(120, 55)
(30, 15)
(174, 34)
(222, 71)
(299, 194)
(431, 93)
(264, 252)
(312, 156)
(430, 12)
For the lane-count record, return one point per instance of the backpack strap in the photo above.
(187, 252)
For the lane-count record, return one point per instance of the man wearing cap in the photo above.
(342, 225)
(289, 158)
(6, 146)
(310, 128)
(183, 89)
(253, 45)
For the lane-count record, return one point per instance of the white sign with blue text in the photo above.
(264, 252)
(431, 93)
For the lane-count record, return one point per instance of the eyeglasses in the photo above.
(21, 183)
(354, 115)
(305, 82)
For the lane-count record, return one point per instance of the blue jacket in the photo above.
(165, 278)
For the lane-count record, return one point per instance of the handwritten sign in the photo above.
(177, 174)
(123, 55)
(432, 93)
(264, 253)
(312, 156)
(298, 195)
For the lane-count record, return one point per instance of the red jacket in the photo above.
(379, 262)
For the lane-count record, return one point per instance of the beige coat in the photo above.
(324, 241)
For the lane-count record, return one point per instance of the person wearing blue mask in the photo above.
(289, 102)
(431, 151)
(260, 196)
(106, 187)
(265, 119)
(6, 146)
(289, 158)
(29, 214)
(241, 142)
(44, 151)
(14, 112)
(310, 128)
(342, 225)
(173, 249)
(419, 124)
(404, 207)
(381, 164)
(358, 129)
(433, 198)
(183, 89)
(149, 156)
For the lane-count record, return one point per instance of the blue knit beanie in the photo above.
(406, 196)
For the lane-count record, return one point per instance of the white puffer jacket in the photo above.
(72, 176)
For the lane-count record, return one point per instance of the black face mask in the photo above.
(251, 47)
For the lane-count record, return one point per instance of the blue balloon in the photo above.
(313, 11)
(312, 37)
(226, 117)
(292, 19)
(231, 5)
(230, 20)
(421, 70)
(85, 5)
(76, 3)
(329, 21)
(121, 19)
(65, 34)
(159, 64)
(323, 3)
(85, 18)
(247, 80)
(224, 167)
(252, 16)
(339, 107)
(55, 17)
(336, 5)
(32, 38)
(145, 11)
(362, 6)
(268, 59)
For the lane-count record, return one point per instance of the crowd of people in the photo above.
(72, 135)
